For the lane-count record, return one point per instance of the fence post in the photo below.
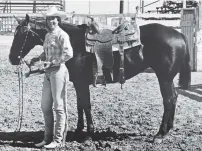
(198, 40)
(188, 28)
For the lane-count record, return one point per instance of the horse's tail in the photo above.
(185, 70)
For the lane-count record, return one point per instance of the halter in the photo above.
(20, 79)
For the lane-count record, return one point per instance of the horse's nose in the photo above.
(10, 58)
(14, 60)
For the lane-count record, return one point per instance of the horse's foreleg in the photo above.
(169, 101)
(80, 123)
(83, 104)
(87, 109)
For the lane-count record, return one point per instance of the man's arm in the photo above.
(67, 50)
(42, 57)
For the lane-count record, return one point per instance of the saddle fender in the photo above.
(101, 43)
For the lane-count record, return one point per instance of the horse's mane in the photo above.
(76, 32)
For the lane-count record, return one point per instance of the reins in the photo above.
(21, 101)
(20, 84)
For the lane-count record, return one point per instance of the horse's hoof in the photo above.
(170, 127)
(90, 129)
(99, 79)
(79, 128)
(78, 131)
(157, 140)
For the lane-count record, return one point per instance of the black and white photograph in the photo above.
(100, 75)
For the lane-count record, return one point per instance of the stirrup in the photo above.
(99, 79)
(121, 76)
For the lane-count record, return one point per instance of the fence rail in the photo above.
(29, 5)
(8, 22)
(112, 20)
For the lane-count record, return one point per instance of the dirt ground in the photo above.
(125, 120)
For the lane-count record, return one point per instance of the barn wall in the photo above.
(199, 37)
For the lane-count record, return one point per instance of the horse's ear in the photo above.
(17, 19)
(27, 17)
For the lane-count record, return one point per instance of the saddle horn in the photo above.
(93, 25)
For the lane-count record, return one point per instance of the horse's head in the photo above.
(25, 38)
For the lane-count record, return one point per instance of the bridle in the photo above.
(26, 29)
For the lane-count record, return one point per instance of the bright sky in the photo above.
(107, 6)
(101, 6)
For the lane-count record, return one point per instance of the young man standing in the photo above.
(57, 51)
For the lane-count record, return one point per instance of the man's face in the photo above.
(52, 22)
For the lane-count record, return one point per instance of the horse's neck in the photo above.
(41, 32)
(71, 29)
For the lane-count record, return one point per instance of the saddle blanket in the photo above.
(115, 47)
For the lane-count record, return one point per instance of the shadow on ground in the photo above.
(28, 139)
(194, 92)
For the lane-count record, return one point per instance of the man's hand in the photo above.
(121, 39)
(47, 65)
(32, 61)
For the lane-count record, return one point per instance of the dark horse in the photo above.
(165, 51)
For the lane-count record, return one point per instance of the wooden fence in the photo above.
(112, 21)
(176, 21)
(8, 22)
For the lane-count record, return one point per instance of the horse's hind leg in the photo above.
(173, 103)
(169, 95)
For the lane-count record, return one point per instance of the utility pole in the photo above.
(121, 6)
(64, 6)
(184, 4)
(142, 6)
(89, 5)
(34, 6)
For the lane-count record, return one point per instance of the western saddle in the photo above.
(100, 42)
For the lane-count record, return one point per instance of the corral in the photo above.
(124, 119)
(186, 22)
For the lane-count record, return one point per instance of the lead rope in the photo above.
(21, 93)
(21, 101)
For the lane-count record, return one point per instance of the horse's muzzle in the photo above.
(14, 60)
